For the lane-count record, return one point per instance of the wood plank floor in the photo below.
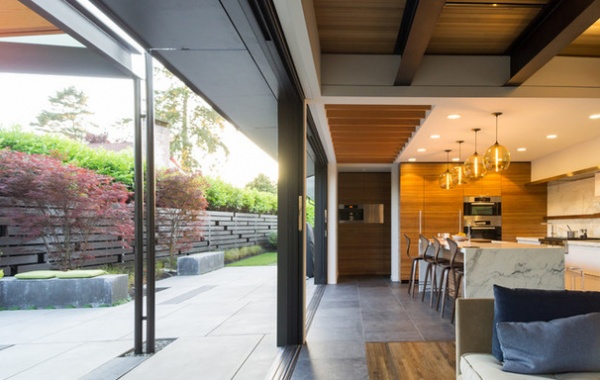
(411, 360)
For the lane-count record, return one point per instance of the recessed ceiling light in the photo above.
(595, 116)
(412, 159)
(521, 149)
(421, 150)
(455, 159)
(551, 136)
(435, 136)
(453, 116)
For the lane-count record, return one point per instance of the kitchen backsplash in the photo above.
(573, 198)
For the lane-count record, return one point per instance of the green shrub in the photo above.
(272, 240)
(310, 212)
(222, 196)
(118, 165)
(236, 254)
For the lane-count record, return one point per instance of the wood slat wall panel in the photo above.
(365, 248)
(523, 207)
(221, 230)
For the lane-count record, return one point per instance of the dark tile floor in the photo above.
(359, 310)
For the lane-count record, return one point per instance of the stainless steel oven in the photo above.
(482, 206)
(483, 227)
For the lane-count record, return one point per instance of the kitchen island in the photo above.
(509, 264)
(583, 254)
(512, 265)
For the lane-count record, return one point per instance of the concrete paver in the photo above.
(223, 322)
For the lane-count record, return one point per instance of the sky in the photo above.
(24, 96)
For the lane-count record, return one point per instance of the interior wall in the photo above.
(578, 157)
(570, 199)
(364, 248)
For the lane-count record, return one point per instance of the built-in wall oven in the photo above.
(483, 217)
(482, 206)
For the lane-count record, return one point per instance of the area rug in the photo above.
(411, 360)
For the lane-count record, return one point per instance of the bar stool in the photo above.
(432, 258)
(413, 268)
(455, 269)
(440, 263)
(576, 273)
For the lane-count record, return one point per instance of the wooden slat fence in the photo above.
(220, 231)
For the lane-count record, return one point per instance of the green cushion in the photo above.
(37, 275)
(81, 273)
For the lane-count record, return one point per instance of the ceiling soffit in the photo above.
(211, 46)
(373, 134)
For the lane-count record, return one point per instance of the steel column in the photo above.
(138, 219)
(150, 210)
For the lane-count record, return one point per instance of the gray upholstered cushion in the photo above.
(561, 345)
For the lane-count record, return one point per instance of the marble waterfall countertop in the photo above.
(513, 265)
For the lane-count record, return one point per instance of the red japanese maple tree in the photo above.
(182, 201)
(63, 205)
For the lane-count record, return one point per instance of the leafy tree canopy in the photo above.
(68, 115)
(194, 126)
(262, 183)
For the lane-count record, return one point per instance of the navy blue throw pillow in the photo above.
(560, 345)
(529, 305)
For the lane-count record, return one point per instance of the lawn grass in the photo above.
(267, 258)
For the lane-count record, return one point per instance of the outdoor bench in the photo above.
(200, 263)
(72, 290)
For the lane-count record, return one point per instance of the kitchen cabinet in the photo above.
(364, 248)
(523, 205)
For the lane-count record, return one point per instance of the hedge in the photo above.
(220, 195)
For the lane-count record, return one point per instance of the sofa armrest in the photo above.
(474, 321)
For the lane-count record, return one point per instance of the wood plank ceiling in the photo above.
(412, 29)
(18, 20)
(372, 134)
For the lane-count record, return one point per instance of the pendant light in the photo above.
(459, 170)
(497, 157)
(447, 180)
(474, 167)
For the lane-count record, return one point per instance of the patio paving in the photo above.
(223, 323)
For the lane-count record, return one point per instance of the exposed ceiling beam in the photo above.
(78, 26)
(28, 58)
(562, 24)
(425, 15)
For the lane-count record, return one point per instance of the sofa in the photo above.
(577, 356)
